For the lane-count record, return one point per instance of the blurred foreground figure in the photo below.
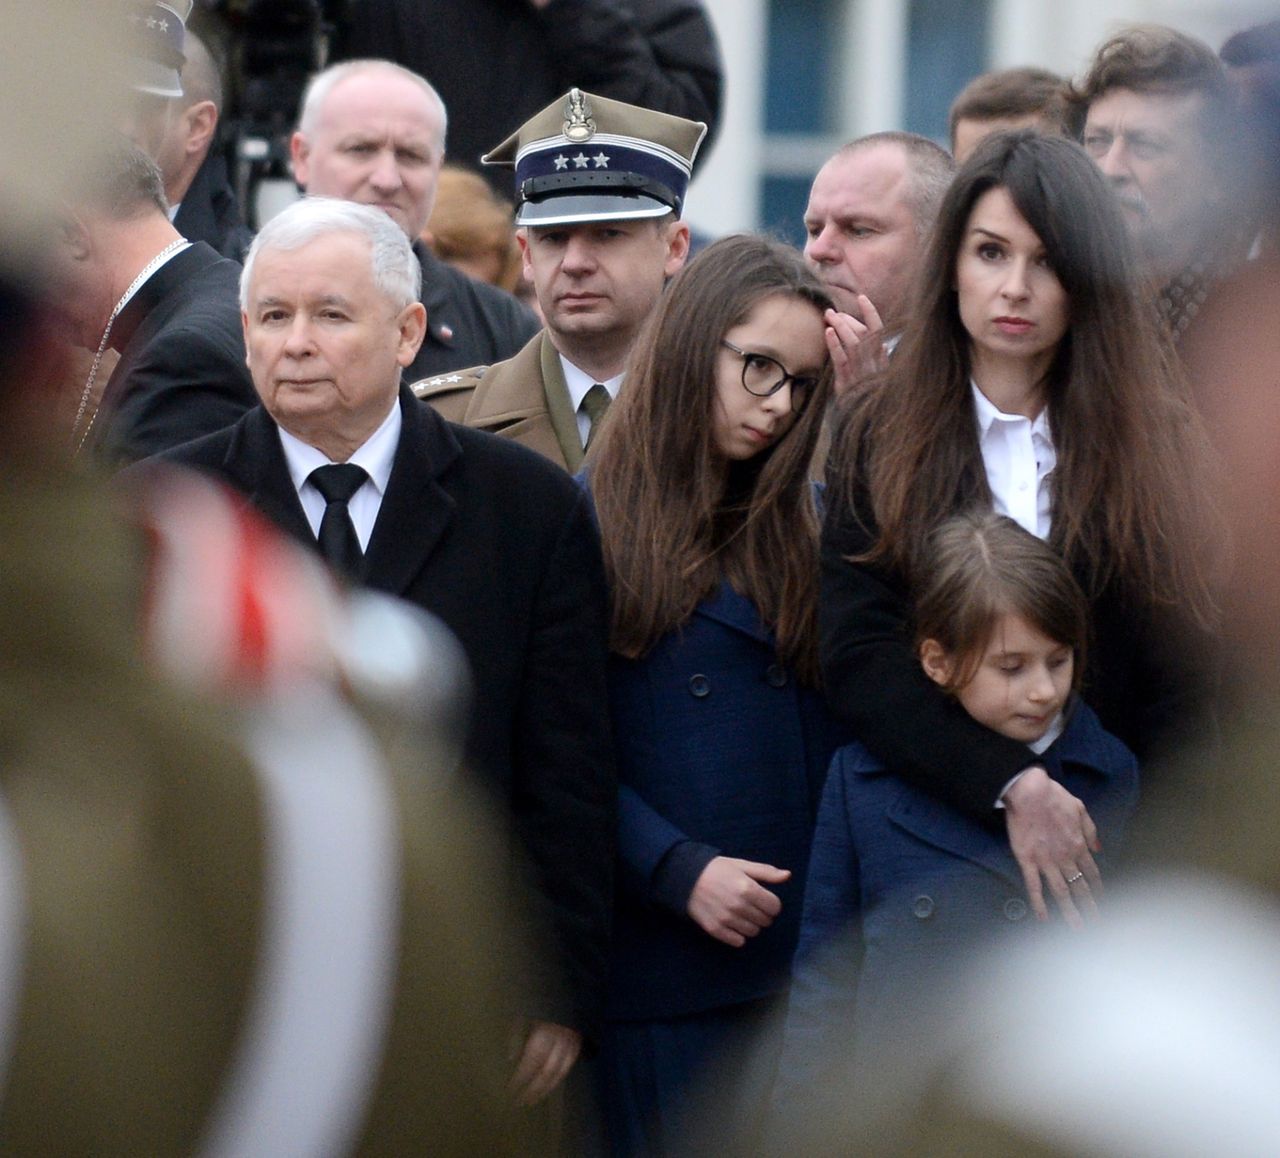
(1160, 122)
(230, 923)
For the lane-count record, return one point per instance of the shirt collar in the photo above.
(1042, 745)
(989, 414)
(376, 454)
(579, 382)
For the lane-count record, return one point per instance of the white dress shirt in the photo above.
(579, 382)
(1019, 456)
(376, 456)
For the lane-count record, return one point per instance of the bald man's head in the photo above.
(191, 121)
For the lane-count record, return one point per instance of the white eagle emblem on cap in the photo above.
(579, 125)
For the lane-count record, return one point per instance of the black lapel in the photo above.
(416, 509)
(255, 464)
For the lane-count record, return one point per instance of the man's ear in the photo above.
(526, 267)
(299, 153)
(75, 235)
(677, 248)
(937, 664)
(412, 324)
(201, 123)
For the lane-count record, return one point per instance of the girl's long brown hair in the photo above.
(674, 519)
(1130, 489)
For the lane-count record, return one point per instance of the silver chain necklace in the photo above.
(154, 264)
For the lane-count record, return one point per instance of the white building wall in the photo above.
(725, 196)
(1060, 35)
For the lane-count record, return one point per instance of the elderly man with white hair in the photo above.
(482, 532)
(373, 132)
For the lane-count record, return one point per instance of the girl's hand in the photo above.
(1054, 838)
(856, 348)
(729, 902)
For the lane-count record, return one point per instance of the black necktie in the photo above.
(594, 403)
(338, 542)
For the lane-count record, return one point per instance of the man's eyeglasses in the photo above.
(763, 376)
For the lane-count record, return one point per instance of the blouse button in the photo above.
(922, 907)
(776, 675)
(1015, 908)
(700, 686)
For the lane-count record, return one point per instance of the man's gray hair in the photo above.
(323, 83)
(395, 267)
(930, 169)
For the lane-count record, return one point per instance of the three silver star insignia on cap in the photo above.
(601, 161)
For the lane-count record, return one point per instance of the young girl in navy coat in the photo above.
(709, 526)
(898, 881)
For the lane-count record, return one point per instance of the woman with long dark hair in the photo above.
(710, 527)
(1032, 380)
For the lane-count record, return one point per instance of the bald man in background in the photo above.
(202, 204)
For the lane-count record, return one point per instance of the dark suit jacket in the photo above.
(499, 544)
(181, 372)
(210, 213)
(469, 322)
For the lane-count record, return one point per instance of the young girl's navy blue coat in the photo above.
(720, 752)
(899, 881)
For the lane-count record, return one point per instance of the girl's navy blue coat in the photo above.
(720, 752)
(898, 882)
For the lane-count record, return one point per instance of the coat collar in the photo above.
(415, 510)
(435, 296)
(728, 607)
(1083, 745)
(167, 280)
(209, 212)
(938, 824)
(563, 420)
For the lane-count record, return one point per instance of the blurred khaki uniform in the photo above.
(158, 941)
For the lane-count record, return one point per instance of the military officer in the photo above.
(599, 188)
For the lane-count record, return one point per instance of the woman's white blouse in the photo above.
(1019, 456)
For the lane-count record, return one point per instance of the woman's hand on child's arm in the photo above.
(1054, 838)
(729, 901)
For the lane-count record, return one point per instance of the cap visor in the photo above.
(154, 79)
(567, 209)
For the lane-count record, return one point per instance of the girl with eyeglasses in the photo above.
(709, 526)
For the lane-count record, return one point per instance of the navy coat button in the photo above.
(776, 675)
(922, 907)
(1015, 908)
(700, 686)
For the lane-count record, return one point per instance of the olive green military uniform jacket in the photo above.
(524, 398)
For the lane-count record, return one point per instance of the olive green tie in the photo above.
(593, 405)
